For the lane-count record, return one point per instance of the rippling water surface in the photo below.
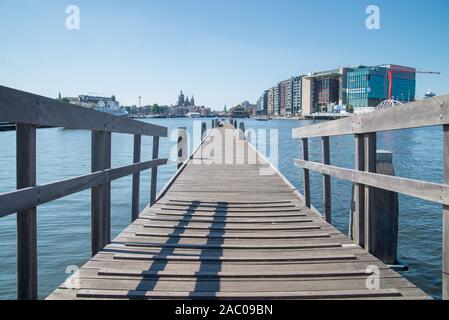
(64, 225)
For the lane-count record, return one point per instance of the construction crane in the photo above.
(394, 68)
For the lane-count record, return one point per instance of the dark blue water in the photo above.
(64, 225)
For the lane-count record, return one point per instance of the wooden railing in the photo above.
(29, 111)
(364, 127)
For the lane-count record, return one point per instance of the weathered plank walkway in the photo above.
(227, 231)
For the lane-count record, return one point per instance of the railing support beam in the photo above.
(359, 194)
(154, 171)
(136, 178)
(101, 195)
(305, 156)
(326, 181)
(445, 266)
(26, 220)
(370, 199)
(182, 146)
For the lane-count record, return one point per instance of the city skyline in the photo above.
(224, 55)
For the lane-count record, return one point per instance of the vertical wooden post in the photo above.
(445, 266)
(386, 216)
(326, 181)
(136, 179)
(154, 171)
(182, 146)
(101, 195)
(203, 130)
(235, 123)
(213, 123)
(305, 156)
(242, 130)
(359, 194)
(370, 201)
(26, 220)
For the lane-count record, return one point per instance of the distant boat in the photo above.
(114, 110)
(7, 126)
(429, 94)
(194, 115)
(262, 119)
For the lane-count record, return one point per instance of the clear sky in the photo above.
(222, 51)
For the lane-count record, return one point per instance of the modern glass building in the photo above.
(369, 86)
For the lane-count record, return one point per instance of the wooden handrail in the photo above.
(24, 199)
(434, 192)
(424, 113)
(23, 107)
(29, 111)
(364, 127)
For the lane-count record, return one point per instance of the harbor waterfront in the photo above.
(63, 242)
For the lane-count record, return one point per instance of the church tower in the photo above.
(187, 102)
(192, 101)
(181, 99)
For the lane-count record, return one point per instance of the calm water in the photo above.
(64, 225)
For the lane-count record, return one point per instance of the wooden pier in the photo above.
(232, 231)
(228, 225)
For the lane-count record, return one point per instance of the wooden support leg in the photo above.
(26, 220)
(154, 171)
(446, 217)
(305, 153)
(370, 201)
(326, 182)
(136, 179)
(101, 195)
(359, 194)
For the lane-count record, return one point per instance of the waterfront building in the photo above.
(297, 90)
(180, 99)
(286, 97)
(184, 105)
(259, 104)
(265, 102)
(270, 100)
(321, 90)
(277, 100)
(369, 86)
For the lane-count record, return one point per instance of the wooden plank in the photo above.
(231, 210)
(258, 236)
(26, 198)
(435, 192)
(149, 257)
(292, 274)
(23, 107)
(125, 294)
(215, 227)
(225, 205)
(237, 203)
(26, 220)
(136, 179)
(239, 247)
(227, 220)
(423, 113)
(326, 181)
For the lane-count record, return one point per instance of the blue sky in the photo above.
(221, 51)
